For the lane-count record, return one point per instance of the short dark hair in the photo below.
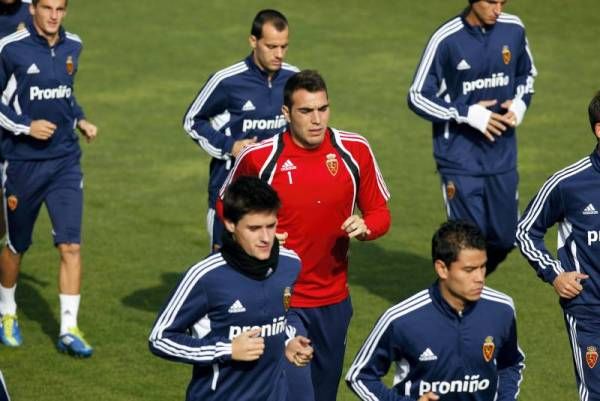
(249, 195)
(35, 2)
(273, 17)
(594, 110)
(454, 236)
(309, 80)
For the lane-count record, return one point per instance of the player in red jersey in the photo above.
(320, 174)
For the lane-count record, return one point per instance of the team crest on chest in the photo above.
(332, 164)
(591, 356)
(488, 348)
(287, 298)
(506, 54)
(70, 65)
(12, 203)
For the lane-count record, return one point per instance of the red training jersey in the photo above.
(319, 189)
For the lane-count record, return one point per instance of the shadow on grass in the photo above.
(35, 307)
(392, 275)
(151, 299)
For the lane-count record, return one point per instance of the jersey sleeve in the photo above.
(9, 119)
(526, 73)
(77, 109)
(524, 78)
(372, 363)
(171, 335)
(207, 110)
(424, 93)
(510, 366)
(244, 165)
(542, 212)
(373, 195)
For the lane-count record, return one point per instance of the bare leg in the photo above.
(69, 280)
(10, 264)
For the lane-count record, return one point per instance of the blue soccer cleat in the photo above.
(10, 334)
(74, 344)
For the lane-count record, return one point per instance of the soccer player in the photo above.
(320, 173)
(227, 315)
(571, 199)
(475, 83)
(456, 340)
(14, 14)
(39, 113)
(241, 104)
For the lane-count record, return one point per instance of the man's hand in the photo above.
(42, 129)
(281, 237)
(429, 397)
(497, 123)
(248, 346)
(355, 227)
(298, 351)
(239, 145)
(567, 285)
(510, 115)
(87, 129)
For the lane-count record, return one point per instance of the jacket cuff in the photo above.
(478, 117)
(518, 107)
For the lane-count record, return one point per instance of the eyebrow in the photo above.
(313, 108)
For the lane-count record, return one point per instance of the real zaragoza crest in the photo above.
(287, 297)
(488, 348)
(450, 190)
(591, 356)
(70, 65)
(332, 163)
(12, 202)
(506, 54)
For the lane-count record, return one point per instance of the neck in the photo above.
(455, 302)
(51, 38)
(472, 19)
(260, 67)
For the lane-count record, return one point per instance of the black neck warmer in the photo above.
(9, 9)
(248, 265)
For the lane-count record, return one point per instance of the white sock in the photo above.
(8, 306)
(69, 307)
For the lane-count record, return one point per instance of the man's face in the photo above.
(463, 280)
(308, 117)
(269, 51)
(486, 12)
(255, 233)
(48, 16)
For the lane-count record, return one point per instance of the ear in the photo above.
(31, 9)
(441, 269)
(229, 225)
(286, 113)
(252, 41)
(597, 130)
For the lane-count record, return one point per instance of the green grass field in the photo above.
(145, 180)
